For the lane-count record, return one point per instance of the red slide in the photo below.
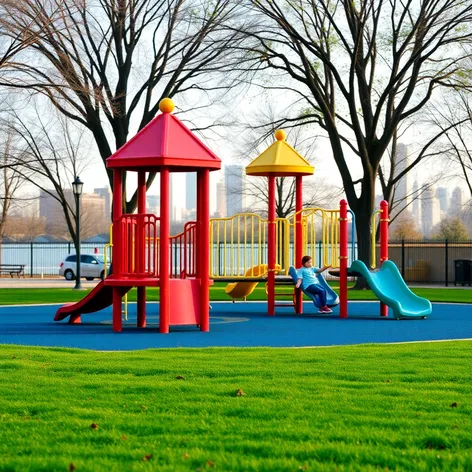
(100, 297)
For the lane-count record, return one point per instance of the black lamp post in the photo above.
(77, 186)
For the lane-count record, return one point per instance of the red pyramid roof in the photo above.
(165, 141)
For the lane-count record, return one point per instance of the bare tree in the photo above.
(404, 227)
(106, 64)
(398, 162)
(452, 228)
(12, 42)
(255, 139)
(456, 109)
(50, 153)
(358, 69)
(10, 180)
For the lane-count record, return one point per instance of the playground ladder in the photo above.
(284, 294)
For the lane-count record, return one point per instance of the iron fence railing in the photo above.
(43, 258)
(428, 262)
(432, 262)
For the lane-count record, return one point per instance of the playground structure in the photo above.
(243, 249)
(143, 250)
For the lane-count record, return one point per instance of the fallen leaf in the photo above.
(240, 393)
(94, 426)
(124, 438)
(453, 405)
(72, 467)
(210, 464)
(180, 377)
(147, 457)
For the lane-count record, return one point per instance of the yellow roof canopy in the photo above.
(281, 159)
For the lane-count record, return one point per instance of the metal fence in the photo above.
(42, 258)
(431, 262)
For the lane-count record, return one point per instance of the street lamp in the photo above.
(77, 186)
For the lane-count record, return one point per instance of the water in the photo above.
(42, 258)
(45, 258)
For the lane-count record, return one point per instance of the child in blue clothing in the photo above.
(309, 282)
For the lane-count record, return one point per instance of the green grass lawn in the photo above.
(356, 408)
(11, 296)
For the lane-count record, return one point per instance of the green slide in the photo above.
(390, 288)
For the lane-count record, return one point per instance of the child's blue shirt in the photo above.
(308, 276)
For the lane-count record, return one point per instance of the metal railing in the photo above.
(420, 261)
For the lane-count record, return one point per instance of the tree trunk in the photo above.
(363, 208)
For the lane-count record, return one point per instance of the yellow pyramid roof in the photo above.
(281, 159)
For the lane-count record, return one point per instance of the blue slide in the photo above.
(390, 288)
(332, 298)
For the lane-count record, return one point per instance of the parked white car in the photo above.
(91, 266)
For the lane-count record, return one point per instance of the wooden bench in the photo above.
(12, 269)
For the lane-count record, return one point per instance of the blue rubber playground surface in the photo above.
(239, 325)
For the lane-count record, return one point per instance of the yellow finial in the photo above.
(280, 135)
(166, 105)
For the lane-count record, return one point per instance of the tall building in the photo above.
(175, 196)
(105, 193)
(220, 200)
(431, 212)
(234, 183)
(457, 202)
(191, 191)
(51, 210)
(415, 206)
(93, 212)
(442, 195)
(153, 204)
(402, 194)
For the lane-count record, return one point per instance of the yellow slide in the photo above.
(243, 289)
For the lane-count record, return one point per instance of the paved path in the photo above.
(7, 282)
(29, 282)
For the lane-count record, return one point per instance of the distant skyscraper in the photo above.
(431, 212)
(93, 211)
(175, 209)
(105, 193)
(153, 203)
(456, 202)
(443, 197)
(415, 206)
(220, 199)
(402, 195)
(234, 182)
(51, 210)
(191, 191)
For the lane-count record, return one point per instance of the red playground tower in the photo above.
(144, 254)
(141, 241)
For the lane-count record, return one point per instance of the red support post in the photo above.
(298, 238)
(203, 182)
(271, 248)
(384, 220)
(198, 232)
(343, 251)
(141, 305)
(117, 246)
(164, 299)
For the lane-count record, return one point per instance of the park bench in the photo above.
(12, 269)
